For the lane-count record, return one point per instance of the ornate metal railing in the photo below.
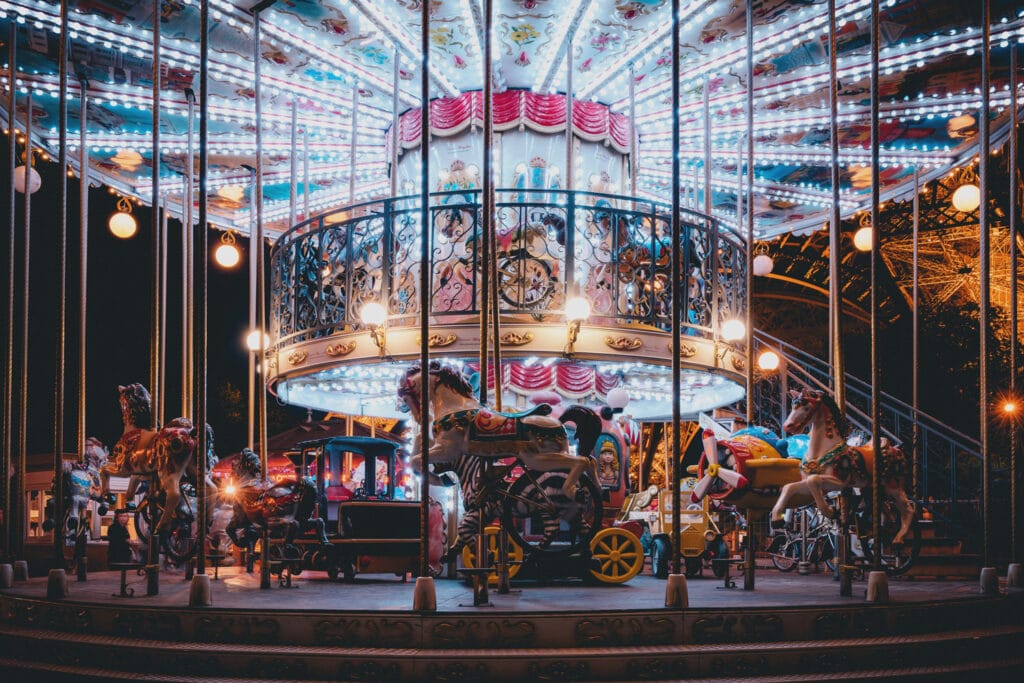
(949, 462)
(550, 244)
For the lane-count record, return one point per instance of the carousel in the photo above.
(562, 255)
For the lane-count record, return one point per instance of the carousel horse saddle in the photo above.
(487, 425)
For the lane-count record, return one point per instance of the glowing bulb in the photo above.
(863, 238)
(967, 198)
(373, 314)
(252, 340)
(1009, 407)
(227, 255)
(577, 309)
(763, 264)
(768, 361)
(122, 223)
(733, 329)
(34, 181)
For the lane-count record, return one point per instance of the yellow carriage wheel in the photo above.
(515, 554)
(619, 555)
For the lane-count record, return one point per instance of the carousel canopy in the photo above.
(322, 58)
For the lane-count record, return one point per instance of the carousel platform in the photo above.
(793, 628)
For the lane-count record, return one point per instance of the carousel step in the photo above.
(30, 653)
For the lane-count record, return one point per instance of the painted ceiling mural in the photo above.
(318, 57)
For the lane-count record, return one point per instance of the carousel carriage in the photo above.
(518, 468)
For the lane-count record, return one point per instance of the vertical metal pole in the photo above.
(493, 251)
(257, 254)
(22, 442)
(396, 139)
(749, 564)
(253, 377)
(305, 174)
(634, 136)
(201, 255)
(160, 416)
(711, 225)
(984, 282)
(352, 145)
(486, 199)
(1014, 326)
(570, 167)
(155, 242)
(915, 487)
(676, 447)
(83, 254)
(293, 190)
(12, 505)
(876, 377)
(62, 266)
(835, 225)
(425, 239)
(188, 265)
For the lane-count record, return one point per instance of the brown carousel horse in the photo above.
(289, 504)
(832, 465)
(167, 455)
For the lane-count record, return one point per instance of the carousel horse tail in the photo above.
(588, 427)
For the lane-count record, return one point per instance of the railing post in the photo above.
(570, 242)
(389, 231)
(350, 315)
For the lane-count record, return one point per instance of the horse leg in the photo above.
(906, 507)
(791, 489)
(818, 485)
(170, 484)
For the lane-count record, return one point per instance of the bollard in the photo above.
(676, 594)
(989, 581)
(20, 570)
(57, 585)
(846, 580)
(6, 575)
(878, 587)
(199, 591)
(1013, 575)
(424, 596)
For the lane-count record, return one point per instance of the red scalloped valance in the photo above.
(592, 121)
(571, 380)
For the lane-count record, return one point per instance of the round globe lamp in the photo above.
(227, 254)
(122, 223)
(768, 361)
(252, 340)
(763, 265)
(33, 183)
(967, 198)
(733, 329)
(863, 238)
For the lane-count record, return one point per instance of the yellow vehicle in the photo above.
(702, 526)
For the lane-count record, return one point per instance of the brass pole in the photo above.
(188, 264)
(984, 277)
(712, 226)
(486, 199)
(155, 242)
(674, 454)
(634, 139)
(915, 487)
(253, 359)
(9, 501)
(163, 213)
(22, 442)
(293, 167)
(876, 377)
(62, 267)
(835, 224)
(1014, 322)
(425, 245)
(749, 564)
(83, 255)
(352, 145)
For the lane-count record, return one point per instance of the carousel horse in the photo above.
(832, 465)
(289, 504)
(166, 454)
(466, 434)
(81, 485)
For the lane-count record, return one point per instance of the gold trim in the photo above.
(437, 340)
(624, 343)
(685, 350)
(340, 349)
(297, 357)
(738, 363)
(516, 338)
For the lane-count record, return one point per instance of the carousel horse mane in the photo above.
(448, 376)
(247, 465)
(139, 404)
(842, 424)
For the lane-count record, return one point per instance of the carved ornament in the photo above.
(297, 357)
(516, 338)
(624, 343)
(340, 349)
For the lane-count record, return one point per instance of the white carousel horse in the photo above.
(81, 486)
(166, 454)
(463, 425)
(831, 464)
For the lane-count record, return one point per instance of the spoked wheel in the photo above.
(515, 555)
(525, 282)
(618, 554)
(786, 556)
(540, 518)
(179, 542)
(896, 560)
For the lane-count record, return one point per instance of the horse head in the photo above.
(136, 405)
(410, 385)
(247, 466)
(95, 454)
(807, 403)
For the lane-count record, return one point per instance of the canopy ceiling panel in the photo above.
(320, 56)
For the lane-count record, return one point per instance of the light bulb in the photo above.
(733, 329)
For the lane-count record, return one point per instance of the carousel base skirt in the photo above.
(791, 625)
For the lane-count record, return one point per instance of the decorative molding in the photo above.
(516, 338)
(437, 340)
(685, 350)
(297, 357)
(624, 343)
(340, 349)
(738, 363)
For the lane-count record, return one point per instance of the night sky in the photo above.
(119, 304)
